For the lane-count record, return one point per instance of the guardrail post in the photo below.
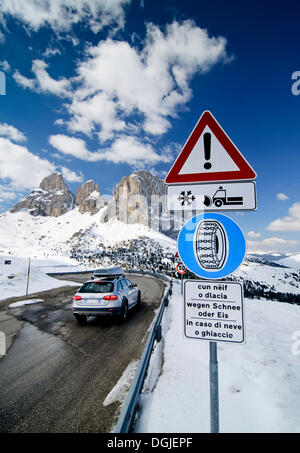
(158, 334)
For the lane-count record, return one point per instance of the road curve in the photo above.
(57, 374)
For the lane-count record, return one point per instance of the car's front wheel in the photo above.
(139, 300)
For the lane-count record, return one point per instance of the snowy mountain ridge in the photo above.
(86, 234)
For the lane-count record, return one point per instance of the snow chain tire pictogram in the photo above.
(211, 245)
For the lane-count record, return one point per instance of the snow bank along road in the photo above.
(57, 374)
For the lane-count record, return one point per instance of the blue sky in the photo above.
(111, 87)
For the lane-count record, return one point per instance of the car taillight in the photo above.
(110, 297)
(77, 298)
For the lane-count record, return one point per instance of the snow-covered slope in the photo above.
(13, 278)
(291, 261)
(271, 278)
(259, 381)
(23, 235)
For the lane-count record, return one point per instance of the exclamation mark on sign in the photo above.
(207, 149)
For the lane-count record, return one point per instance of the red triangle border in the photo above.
(245, 171)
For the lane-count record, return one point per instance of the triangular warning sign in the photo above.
(209, 155)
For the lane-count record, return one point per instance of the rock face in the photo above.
(52, 198)
(138, 199)
(88, 198)
(141, 198)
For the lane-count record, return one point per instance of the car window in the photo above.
(129, 283)
(124, 283)
(97, 287)
(119, 286)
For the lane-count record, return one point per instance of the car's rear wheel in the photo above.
(124, 313)
(81, 319)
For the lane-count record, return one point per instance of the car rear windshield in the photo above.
(97, 287)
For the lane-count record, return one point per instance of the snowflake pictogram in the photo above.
(186, 197)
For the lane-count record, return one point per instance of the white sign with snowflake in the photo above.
(239, 196)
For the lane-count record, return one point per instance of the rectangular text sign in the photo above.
(214, 311)
(239, 196)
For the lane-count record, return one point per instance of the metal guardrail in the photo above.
(152, 274)
(129, 409)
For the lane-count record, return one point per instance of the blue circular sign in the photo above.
(211, 245)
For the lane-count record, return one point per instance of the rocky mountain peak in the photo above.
(133, 198)
(52, 198)
(55, 181)
(88, 198)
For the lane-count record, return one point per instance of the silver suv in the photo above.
(107, 293)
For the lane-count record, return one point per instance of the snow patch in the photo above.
(21, 303)
(120, 390)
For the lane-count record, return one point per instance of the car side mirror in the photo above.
(133, 285)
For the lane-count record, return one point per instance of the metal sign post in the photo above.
(214, 387)
(210, 174)
(28, 275)
(213, 311)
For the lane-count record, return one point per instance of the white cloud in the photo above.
(287, 223)
(131, 151)
(72, 146)
(59, 122)
(88, 114)
(43, 82)
(121, 93)
(2, 37)
(7, 194)
(50, 52)
(71, 176)
(60, 15)
(253, 235)
(60, 157)
(11, 132)
(273, 244)
(123, 150)
(282, 197)
(117, 80)
(23, 169)
(4, 65)
(24, 81)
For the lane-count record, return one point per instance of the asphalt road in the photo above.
(57, 374)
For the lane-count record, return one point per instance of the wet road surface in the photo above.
(57, 373)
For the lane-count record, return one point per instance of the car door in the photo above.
(132, 291)
(120, 289)
(126, 292)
